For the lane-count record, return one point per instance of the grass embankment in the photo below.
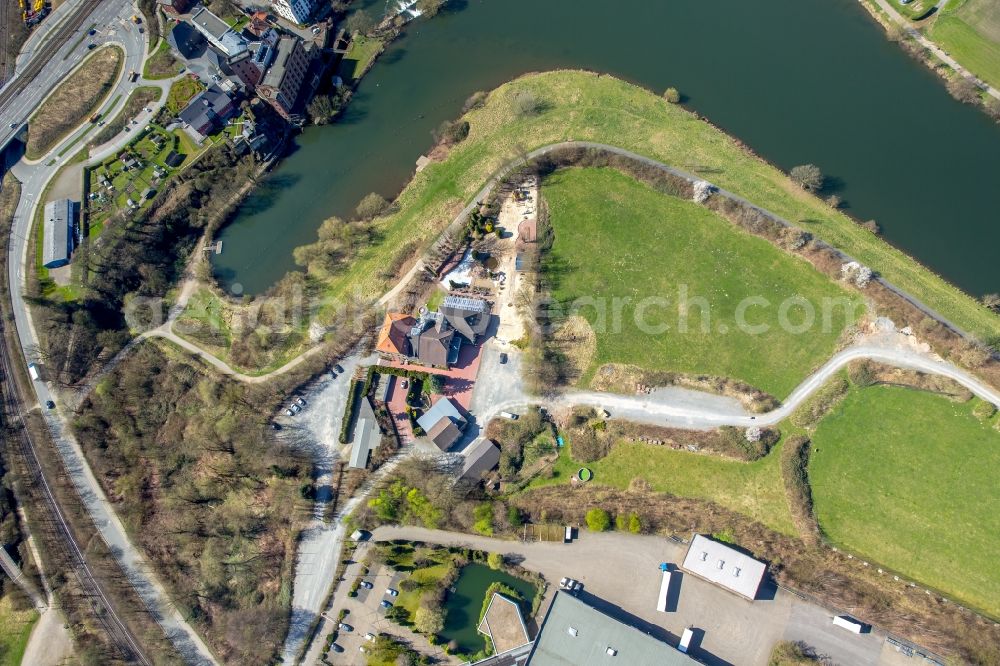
(75, 100)
(15, 628)
(583, 106)
(970, 32)
(617, 238)
(908, 479)
(754, 489)
(161, 64)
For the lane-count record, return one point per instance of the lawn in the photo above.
(908, 479)
(161, 64)
(358, 58)
(15, 628)
(584, 106)
(181, 92)
(971, 48)
(753, 489)
(75, 100)
(617, 238)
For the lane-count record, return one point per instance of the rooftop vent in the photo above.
(572, 632)
(612, 652)
(722, 564)
(736, 572)
(704, 556)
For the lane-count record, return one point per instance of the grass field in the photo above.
(909, 479)
(583, 106)
(358, 57)
(957, 34)
(73, 101)
(15, 628)
(753, 489)
(617, 238)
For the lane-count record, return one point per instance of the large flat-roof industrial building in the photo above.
(58, 233)
(574, 632)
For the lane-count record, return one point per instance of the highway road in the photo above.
(49, 62)
(112, 24)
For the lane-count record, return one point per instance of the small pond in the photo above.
(466, 602)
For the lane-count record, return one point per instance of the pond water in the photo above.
(797, 80)
(466, 602)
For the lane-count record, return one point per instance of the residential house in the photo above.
(218, 33)
(282, 84)
(59, 235)
(394, 336)
(443, 423)
(258, 25)
(296, 11)
(175, 7)
(481, 456)
(470, 317)
(207, 112)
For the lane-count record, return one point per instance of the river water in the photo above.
(797, 80)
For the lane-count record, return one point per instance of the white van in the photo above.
(509, 415)
(33, 371)
(686, 640)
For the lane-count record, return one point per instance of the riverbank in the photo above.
(576, 105)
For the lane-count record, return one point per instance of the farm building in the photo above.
(481, 456)
(443, 423)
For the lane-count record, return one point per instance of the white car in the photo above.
(392, 593)
(370, 637)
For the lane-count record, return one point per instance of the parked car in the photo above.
(385, 603)
(363, 649)
(405, 384)
(92, 32)
(503, 357)
(370, 637)
(300, 402)
(91, 46)
(365, 584)
(13, 125)
(336, 648)
(289, 412)
(509, 415)
(338, 368)
(50, 405)
(392, 593)
(295, 409)
(345, 627)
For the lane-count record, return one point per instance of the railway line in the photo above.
(19, 437)
(46, 51)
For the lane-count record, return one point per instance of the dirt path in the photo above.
(50, 643)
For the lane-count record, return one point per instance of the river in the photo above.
(798, 80)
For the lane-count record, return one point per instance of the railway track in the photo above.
(47, 50)
(120, 636)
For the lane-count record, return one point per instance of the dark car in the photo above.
(336, 648)
(92, 32)
(385, 603)
(50, 404)
(503, 357)
(91, 46)
(338, 368)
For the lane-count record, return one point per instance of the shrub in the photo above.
(807, 176)
(371, 206)
(514, 516)
(476, 100)
(964, 90)
(451, 132)
(598, 520)
(495, 561)
(872, 226)
(359, 22)
(992, 301)
(672, 95)
(527, 103)
(483, 515)
(428, 620)
(984, 410)
(634, 523)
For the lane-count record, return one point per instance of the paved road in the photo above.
(621, 576)
(112, 20)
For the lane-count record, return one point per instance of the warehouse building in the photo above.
(59, 233)
(725, 566)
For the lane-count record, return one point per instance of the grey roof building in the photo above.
(482, 456)
(218, 33)
(443, 423)
(470, 317)
(207, 111)
(725, 566)
(574, 632)
(367, 436)
(58, 233)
